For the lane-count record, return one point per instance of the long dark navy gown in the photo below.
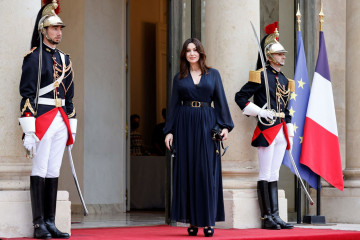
(197, 180)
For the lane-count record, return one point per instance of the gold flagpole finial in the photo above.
(298, 17)
(321, 15)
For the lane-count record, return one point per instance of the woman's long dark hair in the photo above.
(185, 65)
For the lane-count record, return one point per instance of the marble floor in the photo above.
(150, 218)
(132, 218)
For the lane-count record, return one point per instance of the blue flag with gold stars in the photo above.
(297, 107)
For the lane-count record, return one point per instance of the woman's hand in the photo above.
(224, 133)
(169, 140)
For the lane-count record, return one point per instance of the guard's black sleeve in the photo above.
(247, 91)
(28, 85)
(69, 89)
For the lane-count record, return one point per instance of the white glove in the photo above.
(30, 140)
(268, 115)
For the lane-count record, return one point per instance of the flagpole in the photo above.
(318, 190)
(318, 219)
(318, 197)
(321, 16)
(298, 17)
(298, 220)
(298, 202)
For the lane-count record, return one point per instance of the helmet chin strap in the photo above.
(275, 62)
(280, 64)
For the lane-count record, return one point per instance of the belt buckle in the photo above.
(58, 102)
(195, 104)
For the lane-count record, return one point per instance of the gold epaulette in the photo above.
(291, 85)
(31, 51)
(255, 76)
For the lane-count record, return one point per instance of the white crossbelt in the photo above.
(50, 101)
(51, 86)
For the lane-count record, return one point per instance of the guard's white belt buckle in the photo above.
(58, 102)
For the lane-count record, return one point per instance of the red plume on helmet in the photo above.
(270, 29)
(57, 10)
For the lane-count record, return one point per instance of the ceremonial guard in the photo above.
(48, 117)
(274, 131)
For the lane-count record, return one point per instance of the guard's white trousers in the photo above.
(50, 150)
(271, 157)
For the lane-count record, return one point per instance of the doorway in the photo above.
(147, 55)
(171, 22)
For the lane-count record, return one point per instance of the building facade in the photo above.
(124, 55)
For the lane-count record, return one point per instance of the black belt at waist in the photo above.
(196, 104)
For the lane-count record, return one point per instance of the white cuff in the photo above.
(290, 128)
(73, 124)
(27, 124)
(251, 110)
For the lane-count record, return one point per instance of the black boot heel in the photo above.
(40, 231)
(282, 224)
(193, 230)
(208, 231)
(268, 223)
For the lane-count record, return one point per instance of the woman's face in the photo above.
(192, 55)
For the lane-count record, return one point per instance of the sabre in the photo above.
(298, 175)
(86, 212)
(267, 105)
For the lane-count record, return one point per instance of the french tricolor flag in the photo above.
(320, 150)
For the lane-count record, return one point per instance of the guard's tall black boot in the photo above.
(51, 187)
(267, 221)
(273, 194)
(37, 187)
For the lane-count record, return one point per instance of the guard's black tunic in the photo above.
(51, 64)
(51, 70)
(264, 135)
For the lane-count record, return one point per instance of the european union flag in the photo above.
(298, 106)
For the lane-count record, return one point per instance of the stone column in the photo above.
(347, 17)
(352, 171)
(17, 18)
(14, 167)
(232, 49)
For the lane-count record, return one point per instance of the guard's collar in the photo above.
(274, 70)
(49, 49)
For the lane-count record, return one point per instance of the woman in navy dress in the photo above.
(197, 181)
